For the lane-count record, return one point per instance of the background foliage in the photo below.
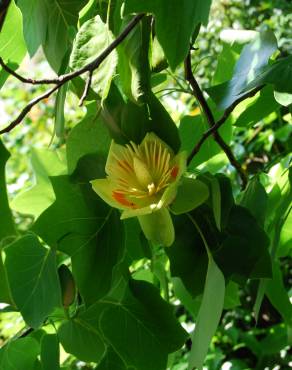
(81, 289)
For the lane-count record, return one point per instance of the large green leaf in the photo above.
(255, 194)
(278, 74)
(50, 352)
(91, 40)
(33, 279)
(85, 228)
(34, 23)
(19, 354)
(175, 23)
(40, 196)
(89, 137)
(87, 344)
(188, 259)
(209, 315)
(191, 130)
(191, 194)
(12, 45)
(253, 58)
(7, 228)
(243, 253)
(111, 361)
(51, 23)
(260, 107)
(140, 313)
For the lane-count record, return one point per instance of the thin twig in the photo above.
(86, 88)
(211, 121)
(27, 80)
(61, 80)
(221, 121)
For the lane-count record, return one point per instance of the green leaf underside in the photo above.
(20, 354)
(85, 228)
(175, 23)
(208, 316)
(253, 58)
(33, 279)
(92, 38)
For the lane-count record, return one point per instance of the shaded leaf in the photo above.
(32, 274)
(50, 352)
(85, 228)
(209, 315)
(19, 354)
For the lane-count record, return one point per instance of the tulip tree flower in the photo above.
(142, 181)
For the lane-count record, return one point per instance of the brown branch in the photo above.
(221, 121)
(27, 80)
(211, 121)
(86, 89)
(61, 80)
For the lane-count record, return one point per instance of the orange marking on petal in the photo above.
(120, 198)
(174, 172)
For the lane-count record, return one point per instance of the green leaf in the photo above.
(175, 23)
(191, 194)
(59, 110)
(143, 314)
(208, 316)
(84, 227)
(87, 344)
(278, 74)
(255, 199)
(32, 274)
(162, 124)
(191, 129)
(19, 354)
(133, 62)
(50, 352)
(111, 361)
(91, 40)
(226, 63)
(187, 256)
(35, 200)
(7, 228)
(12, 45)
(244, 251)
(260, 107)
(253, 58)
(278, 296)
(34, 23)
(88, 137)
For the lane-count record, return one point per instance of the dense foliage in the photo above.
(178, 113)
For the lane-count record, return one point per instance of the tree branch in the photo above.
(61, 80)
(86, 88)
(221, 121)
(197, 92)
